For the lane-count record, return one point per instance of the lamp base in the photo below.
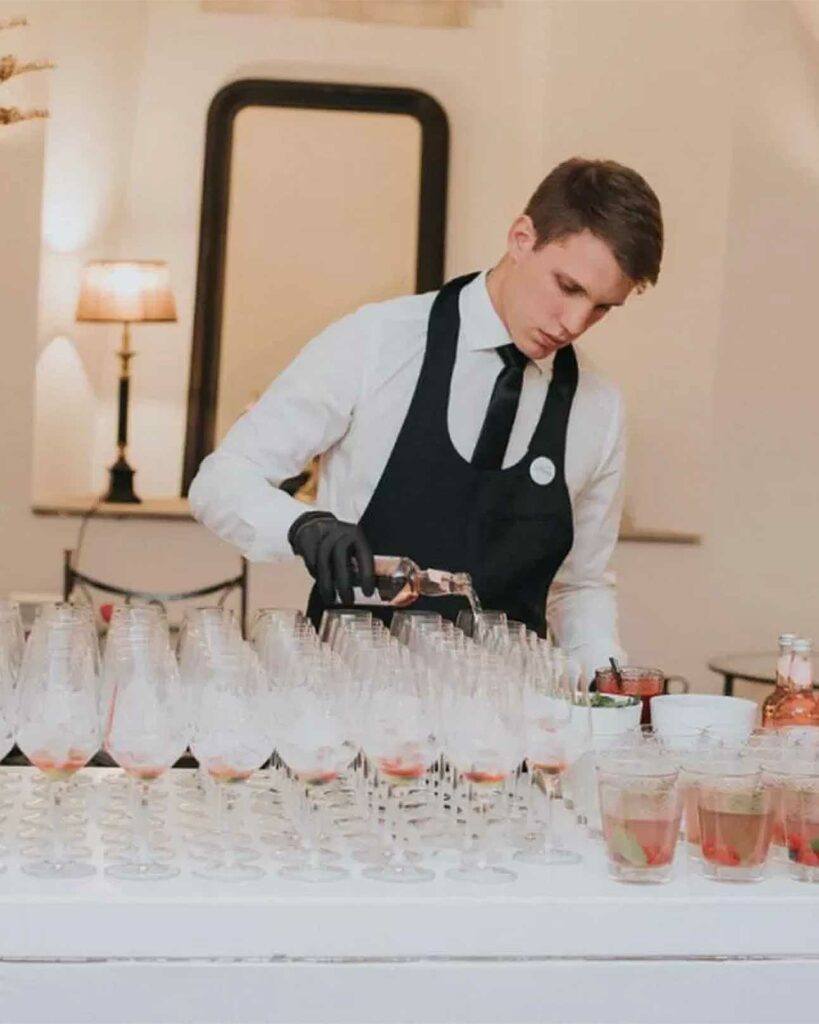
(121, 486)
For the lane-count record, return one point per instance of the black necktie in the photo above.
(503, 406)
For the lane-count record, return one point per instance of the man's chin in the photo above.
(541, 347)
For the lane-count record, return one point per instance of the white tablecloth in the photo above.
(564, 944)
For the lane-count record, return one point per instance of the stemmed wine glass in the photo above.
(558, 733)
(397, 734)
(145, 731)
(482, 726)
(58, 724)
(312, 739)
(232, 738)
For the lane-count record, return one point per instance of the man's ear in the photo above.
(522, 237)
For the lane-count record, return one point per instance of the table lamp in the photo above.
(125, 292)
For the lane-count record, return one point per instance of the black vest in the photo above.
(511, 529)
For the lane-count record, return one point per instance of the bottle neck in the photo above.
(800, 675)
(783, 665)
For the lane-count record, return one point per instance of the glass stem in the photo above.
(141, 815)
(481, 813)
(226, 802)
(312, 829)
(530, 827)
(548, 784)
(56, 791)
(398, 838)
(470, 826)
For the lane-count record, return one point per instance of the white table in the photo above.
(564, 945)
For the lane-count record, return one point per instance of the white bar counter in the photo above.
(563, 945)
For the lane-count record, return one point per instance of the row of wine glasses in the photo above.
(418, 700)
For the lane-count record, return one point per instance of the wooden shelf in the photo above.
(178, 508)
(149, 508)
(633, 534)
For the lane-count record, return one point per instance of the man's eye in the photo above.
(569, 289)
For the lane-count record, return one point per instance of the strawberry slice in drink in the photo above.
(802, 850)
(723, 855)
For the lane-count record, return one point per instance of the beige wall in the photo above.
(712, 101)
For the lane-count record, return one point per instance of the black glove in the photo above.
(336, 554)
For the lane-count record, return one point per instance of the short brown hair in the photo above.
(613, 202)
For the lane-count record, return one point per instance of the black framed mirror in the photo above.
(317, 197)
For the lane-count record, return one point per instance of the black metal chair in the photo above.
(73, 578)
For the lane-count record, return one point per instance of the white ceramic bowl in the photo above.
(614, 721)
(673, 714)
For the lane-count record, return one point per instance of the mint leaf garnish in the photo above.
(626, 846)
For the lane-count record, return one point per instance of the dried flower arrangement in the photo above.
(10, 66)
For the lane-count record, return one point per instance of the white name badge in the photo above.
(542, 470)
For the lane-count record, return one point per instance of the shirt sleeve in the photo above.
(306, 410)
(581, 607)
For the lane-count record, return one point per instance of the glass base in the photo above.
(724, 873)
(59, 869)
(483, 876)
(237, 872)
(379, 855)
(803, 872)
(403, 873)
(313, 873)
(640, 876)
(207, 851)
(552, 855)
(150, 871)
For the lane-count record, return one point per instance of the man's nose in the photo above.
(572, 324)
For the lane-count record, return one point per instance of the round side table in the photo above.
(751, 668)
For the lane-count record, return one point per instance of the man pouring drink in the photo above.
(459, 429)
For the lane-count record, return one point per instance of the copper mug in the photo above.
(634, 681)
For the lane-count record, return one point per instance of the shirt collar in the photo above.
(481, 326)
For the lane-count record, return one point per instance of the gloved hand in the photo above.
(328, 547)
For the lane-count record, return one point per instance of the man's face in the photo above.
(553, 294)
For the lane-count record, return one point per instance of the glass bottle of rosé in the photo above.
(400, 582)
(799, 704)
(783, 671)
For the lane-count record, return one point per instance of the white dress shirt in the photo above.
(345, 397)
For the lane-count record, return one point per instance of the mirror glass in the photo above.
(309, 212)
(309, 237)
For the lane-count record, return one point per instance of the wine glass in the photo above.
(58, 722)
(396, 722)
(404, 621)
(558, 733)
(482, 729)
(313, 740)
(12, 642)
(145, 733)
(232, 738)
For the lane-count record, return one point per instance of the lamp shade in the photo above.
(126, 291)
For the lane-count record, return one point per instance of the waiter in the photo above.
(457, 428)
